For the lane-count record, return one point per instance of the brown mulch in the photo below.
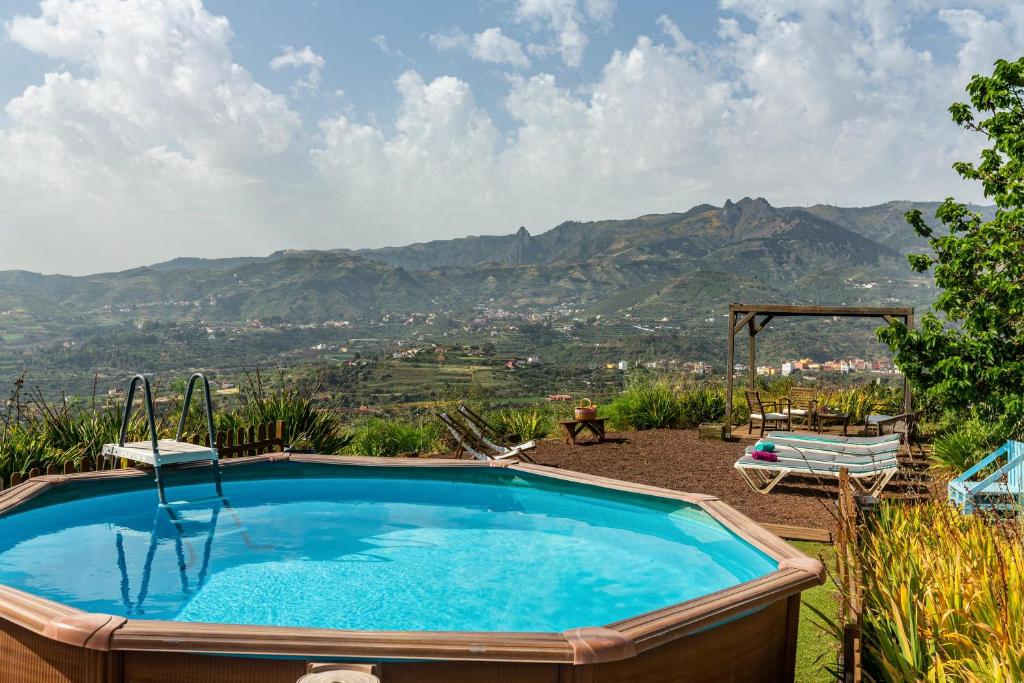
(677, 459)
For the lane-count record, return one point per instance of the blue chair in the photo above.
(1003, 489)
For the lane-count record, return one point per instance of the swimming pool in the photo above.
(345, 558)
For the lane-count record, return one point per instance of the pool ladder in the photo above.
(158, 452)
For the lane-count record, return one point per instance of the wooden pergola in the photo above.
(755, 317)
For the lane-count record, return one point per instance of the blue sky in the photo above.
(138, 130)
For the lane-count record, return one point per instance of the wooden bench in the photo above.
(573, 428)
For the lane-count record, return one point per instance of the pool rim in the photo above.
(583, 645)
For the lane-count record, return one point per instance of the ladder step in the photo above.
(197, 501)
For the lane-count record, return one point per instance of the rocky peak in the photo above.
(527, 249)
(747, 213)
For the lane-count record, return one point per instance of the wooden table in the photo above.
(824, 419)
(573, 428)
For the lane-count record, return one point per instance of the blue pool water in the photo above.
(374, 548)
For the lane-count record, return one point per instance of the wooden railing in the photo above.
(233, 443)
(851, 588)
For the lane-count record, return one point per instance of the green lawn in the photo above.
(815, 648)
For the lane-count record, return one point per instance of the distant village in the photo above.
(881, 366)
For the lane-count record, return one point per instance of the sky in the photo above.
(134, 131)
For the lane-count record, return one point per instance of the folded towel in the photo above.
(765, 445)
(767, 456)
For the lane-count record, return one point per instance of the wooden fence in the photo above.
(233, 443)
(850, 578)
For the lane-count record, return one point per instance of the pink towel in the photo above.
(767, 456)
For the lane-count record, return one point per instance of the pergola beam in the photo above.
(742, 322)
(814, 310)
(764, 323)
(745, 315)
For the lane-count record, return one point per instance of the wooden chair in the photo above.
(774, 413)
(803, 402)
(904, 424)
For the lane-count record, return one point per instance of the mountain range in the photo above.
(688, 262)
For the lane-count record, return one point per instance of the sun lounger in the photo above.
(480, 447)
(869, 471)
(1002, 489)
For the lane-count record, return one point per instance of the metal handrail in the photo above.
(148, 395)
(208, 406)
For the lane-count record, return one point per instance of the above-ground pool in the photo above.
(405, 565)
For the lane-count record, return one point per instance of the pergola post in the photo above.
(907, 399)
(745, 315)
(751, 371)
(729, 363)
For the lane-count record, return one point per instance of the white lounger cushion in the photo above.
(768, 416)
(851, 445)
(798, 411)
(885, 438)
(820, 468)
(871, 472)
(814, 458)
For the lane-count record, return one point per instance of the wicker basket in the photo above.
(586, 410)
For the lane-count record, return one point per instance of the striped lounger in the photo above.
(870, 461)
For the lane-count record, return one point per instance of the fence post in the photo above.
(279, 434)
(261, 438)
(850, 577)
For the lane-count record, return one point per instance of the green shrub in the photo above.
(24, 446)
(740, 409)
(646, 404)
(942, 595)
(524, 423)
(306, 426)
(377, 436)
(864, 400)
(701, 403)
(962, 447)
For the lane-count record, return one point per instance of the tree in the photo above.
(972, 357)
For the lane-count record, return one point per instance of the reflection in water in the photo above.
(165, 518)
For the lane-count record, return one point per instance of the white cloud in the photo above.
(600, 10)
(800, 103)
(442, 145)
(144, 144)
(491, 45)
(453, 39)
(566, 19)
(672, 30)
(494, 46)
(292, 58)
(153, 142)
